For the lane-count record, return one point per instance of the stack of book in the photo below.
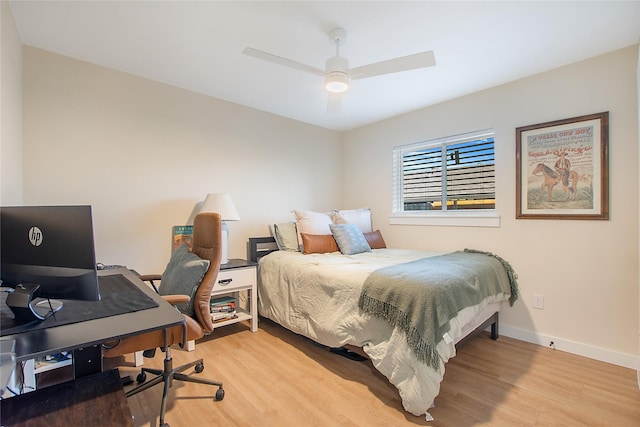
(223, 308)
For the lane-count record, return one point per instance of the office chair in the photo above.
(207, 245)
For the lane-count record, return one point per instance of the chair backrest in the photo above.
(207, 244)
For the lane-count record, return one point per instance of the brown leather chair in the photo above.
(207, 245)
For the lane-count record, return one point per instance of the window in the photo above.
(446, 175)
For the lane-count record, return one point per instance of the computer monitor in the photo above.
(47, 252)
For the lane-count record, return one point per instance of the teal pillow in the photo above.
(182, 276)
(349, 238)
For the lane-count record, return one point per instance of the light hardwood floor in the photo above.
(276, 378)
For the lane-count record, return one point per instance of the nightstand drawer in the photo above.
(229, 280)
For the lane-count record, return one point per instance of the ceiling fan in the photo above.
(337, 74)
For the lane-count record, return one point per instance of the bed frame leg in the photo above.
(494, 327)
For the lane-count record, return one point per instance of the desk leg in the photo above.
(87, 361)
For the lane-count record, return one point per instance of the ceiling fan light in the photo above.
(336, 82)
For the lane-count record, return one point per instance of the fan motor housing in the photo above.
(337, 63)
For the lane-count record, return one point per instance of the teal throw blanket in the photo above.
(421, 297)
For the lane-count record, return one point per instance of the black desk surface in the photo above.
(92, 332)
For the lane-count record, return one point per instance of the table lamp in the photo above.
(221, 203)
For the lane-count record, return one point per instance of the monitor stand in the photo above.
(25, 308)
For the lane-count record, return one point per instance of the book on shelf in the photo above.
(182, 234)
(222, 300)
(222, 316)
(222, 303)
(223, 308)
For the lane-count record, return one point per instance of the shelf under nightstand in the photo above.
(239, 275)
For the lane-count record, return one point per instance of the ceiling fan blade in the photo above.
(282, 61)
(403, 63)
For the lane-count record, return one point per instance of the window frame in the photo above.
(463, 217)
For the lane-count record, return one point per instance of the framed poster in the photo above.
(562, 169)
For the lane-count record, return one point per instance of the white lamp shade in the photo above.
(222, 204)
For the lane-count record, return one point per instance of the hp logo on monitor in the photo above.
(35, 236)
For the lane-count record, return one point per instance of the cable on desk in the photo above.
(10, 390)
(108, 345)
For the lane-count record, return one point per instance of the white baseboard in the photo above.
(616, 358)
(138, 358)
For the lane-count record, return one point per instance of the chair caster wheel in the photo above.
(142, 377)
(199, 367)
(219, 394)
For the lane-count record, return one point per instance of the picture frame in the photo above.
(562, 169)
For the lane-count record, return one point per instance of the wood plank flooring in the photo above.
(276, 378)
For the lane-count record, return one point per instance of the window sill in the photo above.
(456, 219)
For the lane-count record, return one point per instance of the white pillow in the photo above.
(361, 217)
(310, 222)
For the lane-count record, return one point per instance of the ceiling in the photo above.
(197, 45)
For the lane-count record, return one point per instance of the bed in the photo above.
(323, 296)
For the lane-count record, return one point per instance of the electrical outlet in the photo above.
(538, 301)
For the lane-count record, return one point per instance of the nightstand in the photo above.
(236, 276)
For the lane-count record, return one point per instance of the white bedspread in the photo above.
(317, 295)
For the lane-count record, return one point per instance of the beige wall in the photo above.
(143, 154)
(586, 270)
(638, 100)
(10, 110)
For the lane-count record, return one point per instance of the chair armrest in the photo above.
(171, 299)
(150, 277)
(176, 299)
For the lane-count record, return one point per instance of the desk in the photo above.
(93, 400)
(84, 338)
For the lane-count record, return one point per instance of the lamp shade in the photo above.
(222, 204)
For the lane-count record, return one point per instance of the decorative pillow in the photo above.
(182, 276)
(318, 243)
(361, 217)
(350, 239)
(286, 236)
(375, 240)
(310, 222)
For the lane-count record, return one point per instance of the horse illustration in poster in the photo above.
(552, 178)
